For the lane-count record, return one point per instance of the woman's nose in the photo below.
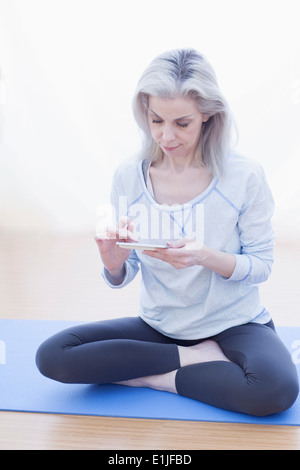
(168, 134)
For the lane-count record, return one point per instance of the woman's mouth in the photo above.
(170, 149)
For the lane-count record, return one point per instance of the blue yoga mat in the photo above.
(23, 388)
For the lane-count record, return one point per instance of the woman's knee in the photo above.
(274, 393)
(54, 355)
(50, 361)
(44, 360)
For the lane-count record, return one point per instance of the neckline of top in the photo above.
(142, 170)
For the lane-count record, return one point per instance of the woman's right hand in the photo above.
(112, 255)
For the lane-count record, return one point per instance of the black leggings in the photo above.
(261, 378)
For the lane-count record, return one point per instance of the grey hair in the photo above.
(186, 72)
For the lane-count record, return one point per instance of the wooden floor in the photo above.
(43, 276)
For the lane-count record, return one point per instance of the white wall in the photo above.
(68, 72)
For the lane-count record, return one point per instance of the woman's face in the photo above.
(175, 125)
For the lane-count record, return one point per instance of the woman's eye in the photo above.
(157, 121)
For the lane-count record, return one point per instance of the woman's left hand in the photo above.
(180, 254)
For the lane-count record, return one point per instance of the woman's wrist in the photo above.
(217, 261)
(116, 275)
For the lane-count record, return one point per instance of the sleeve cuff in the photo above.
(109, 280)
(242, 270)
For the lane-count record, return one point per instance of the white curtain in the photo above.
(68, 70)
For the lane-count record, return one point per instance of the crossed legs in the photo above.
(245, 368)
(205, 351)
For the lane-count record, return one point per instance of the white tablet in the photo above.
(143, 245)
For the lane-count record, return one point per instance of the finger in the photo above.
(177, 243)
(130, 225)
(127, 236)
(111, 233)
(127, 229)
(104, 233)
(132, 236)
(125, 221)
(101, 230)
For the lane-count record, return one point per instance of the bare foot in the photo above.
(164, 382)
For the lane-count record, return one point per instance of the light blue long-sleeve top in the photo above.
(236, 211)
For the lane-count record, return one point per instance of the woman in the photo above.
(201, 331)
